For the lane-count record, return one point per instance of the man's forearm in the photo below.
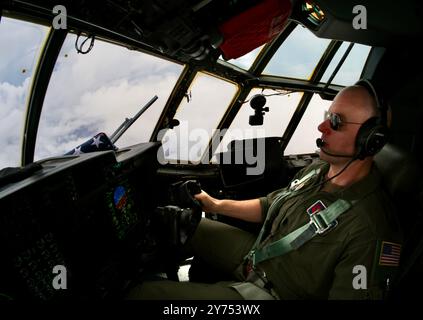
(247, 210)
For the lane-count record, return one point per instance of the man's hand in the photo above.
(208, 203)
(247, 210)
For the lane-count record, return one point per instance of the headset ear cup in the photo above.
(373, 133)
(371, 137)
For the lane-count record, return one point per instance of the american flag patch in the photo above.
(390, 254)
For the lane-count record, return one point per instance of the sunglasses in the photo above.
(335, 121)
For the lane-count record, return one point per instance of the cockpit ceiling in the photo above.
(386, 20)
(188, 30)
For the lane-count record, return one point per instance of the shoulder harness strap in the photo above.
(319, 223)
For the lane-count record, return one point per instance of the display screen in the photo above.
(122, 208)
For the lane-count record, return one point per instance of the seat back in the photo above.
(265, 155)
(401, 177)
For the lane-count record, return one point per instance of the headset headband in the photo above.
(379, 105)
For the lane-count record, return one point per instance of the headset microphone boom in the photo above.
(321, 143)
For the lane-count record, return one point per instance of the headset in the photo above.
(373, 133)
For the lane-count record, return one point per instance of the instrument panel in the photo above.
(85, 215)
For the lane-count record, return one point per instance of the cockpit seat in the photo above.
(401, 178)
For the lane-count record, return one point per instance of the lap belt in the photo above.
(251, 291)
(256, 287)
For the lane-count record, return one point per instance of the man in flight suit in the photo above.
(353, 254)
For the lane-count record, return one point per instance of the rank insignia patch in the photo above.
(389, 254)
(316, 207)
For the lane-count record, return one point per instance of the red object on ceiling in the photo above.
(253, 27)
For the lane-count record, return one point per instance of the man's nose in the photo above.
(324, 127)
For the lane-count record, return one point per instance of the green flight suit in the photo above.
(324, 267)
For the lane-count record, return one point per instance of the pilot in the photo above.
(331, 233)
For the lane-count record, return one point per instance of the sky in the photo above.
(95, 92)
(87, 94)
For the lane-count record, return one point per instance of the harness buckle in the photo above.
(319, 224)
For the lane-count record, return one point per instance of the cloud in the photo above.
(246, 60)
(200, 116)
(290, 61)
(12, 111)
(18, 57)
(86, 94)
(97, 91)
(20, 43)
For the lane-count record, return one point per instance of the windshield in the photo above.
(281, 106)
(290, 60)
(95, 92)
(198, 114)
(20, 44)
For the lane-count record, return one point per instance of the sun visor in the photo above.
(253, 27)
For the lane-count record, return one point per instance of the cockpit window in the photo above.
(198, 114)
(20, 44)
(290, 60)
(281, 106)
(246, 61)
(350, 70)
(304, 138)
(95, 92)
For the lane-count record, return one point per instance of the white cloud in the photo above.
(12, 102)
(20, 42)
(246, 60)
(87, 93)
(95, 93)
